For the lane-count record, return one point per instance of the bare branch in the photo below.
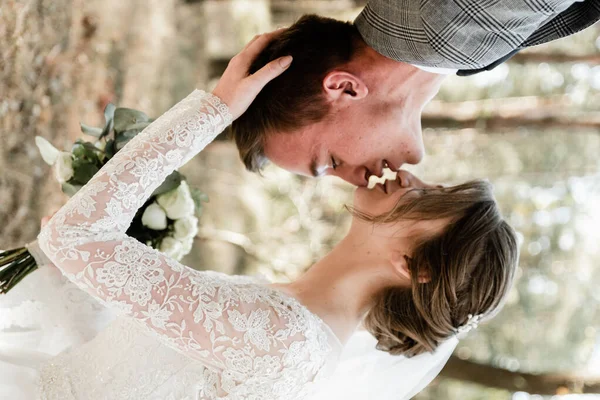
(509, 113)
(544, 384)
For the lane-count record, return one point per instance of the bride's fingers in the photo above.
(236, 88)
(269, 72)
(45, 221)
(254, 39)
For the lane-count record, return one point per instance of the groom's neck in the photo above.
(394, 78)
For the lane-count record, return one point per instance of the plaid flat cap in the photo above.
(468, 35)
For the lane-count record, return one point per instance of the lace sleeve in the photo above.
(86, 238)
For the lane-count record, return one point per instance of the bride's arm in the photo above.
(77, 237)
(86, 238)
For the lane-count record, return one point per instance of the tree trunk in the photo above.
(545, 384)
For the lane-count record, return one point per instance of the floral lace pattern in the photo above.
(255, 342)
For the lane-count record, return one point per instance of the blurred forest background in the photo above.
(531, 126)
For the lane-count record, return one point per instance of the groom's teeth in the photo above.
(387, 174)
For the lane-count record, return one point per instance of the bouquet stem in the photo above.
(15, 265)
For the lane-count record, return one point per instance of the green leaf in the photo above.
(109, 112)
(91, 130)
(85, 151)
(109, 149)
(70, 189)
(90, 146)
(199, 197)
(107, 129)
(131, 133)
(171, 182)
(123, 138)
(77, 149)
(126, 117)
(138, 126)
(83, 171)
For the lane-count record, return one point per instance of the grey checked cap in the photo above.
(468, 34)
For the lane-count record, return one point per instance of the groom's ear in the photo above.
(341, 85)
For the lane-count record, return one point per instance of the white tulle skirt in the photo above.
(42, 316)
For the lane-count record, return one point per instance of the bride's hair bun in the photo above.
(470, 265)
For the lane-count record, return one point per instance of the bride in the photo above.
(419, 265)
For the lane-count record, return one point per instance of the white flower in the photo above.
(154, 217)
(49, 153)
(64, 167)
(100, 145)
(186, 227)
(178, 203)
(187, 245)
(172, 247)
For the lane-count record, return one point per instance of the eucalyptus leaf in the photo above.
(78, 150)
(83, 171)
(125, 117)
(171, 182)
(91, 130)
(203, 197)
(85, 150)
(122, 139)
(70, 189)
(138, 126)
(90, 146)
(107, 129)
(109, 115)
(109, 149)
(199, 197)
(109, 112)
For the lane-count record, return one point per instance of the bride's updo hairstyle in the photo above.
(471, 265)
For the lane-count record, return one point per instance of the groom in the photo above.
(351, 101)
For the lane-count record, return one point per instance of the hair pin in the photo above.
(472, 323)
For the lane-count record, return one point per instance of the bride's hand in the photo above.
(237, 88)
(45, 220)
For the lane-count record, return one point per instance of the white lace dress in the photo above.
(181, 333)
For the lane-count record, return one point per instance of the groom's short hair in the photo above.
(296, 98)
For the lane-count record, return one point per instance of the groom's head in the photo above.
(340, 109)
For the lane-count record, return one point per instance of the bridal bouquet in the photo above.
(168, 220)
